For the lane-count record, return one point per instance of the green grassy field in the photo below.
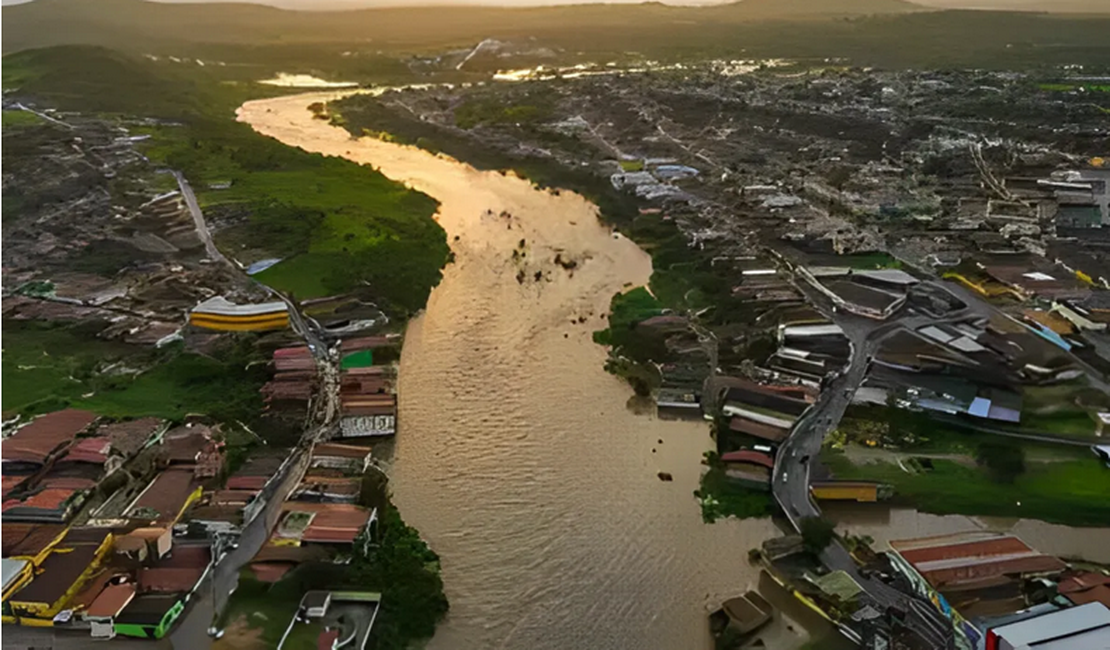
(14, 119)
(721, 497)
(1071, 492)
(46, 368)
(339, 226)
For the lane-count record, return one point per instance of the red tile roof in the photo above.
(168, 580)
(187, 556)
(340, 451)
(48, 499)
(250, 483)
(12, 482)
(757, 429)
(748, 456)
(89, 450)
(112, 600)
(28, 539)
(977, 548)
(36, 441)
(270, 572)
(973, 558)
(1086, 588)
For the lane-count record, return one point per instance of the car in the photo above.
(785, 476)
(805, 459)
(215, 632)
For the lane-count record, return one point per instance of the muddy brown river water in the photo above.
(516, 455)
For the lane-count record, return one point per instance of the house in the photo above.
(148, 616)
(62, 574)
(194, 445)
(16, 574)
(332, 455)
(101, 614)
(46, 437)
(129, 437)
(1085, 626)
(167, 496)
(218, 313)
(975, 576)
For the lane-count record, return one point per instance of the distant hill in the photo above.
(137, 23)
(261, 39)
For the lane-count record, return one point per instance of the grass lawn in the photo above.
(302, 276)
(46, 368)
(45, 364)
(255, 606)
(1070, 492)
(15, 118)
(721, 496)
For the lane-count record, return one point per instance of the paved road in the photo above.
(791, 472)
(198, 220)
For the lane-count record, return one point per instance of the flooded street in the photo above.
(884, 524)
(516, 456)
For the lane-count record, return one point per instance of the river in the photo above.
(517, 457)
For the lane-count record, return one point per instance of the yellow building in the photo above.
(219, 313)
(60, 576)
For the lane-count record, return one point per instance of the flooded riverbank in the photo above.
(516, 457)
(884, 524)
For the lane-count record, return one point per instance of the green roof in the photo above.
(362, 359)
(838, 584)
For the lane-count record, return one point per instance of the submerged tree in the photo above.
(1002, 460)
(817, 534)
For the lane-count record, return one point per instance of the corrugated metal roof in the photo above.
(89, 450)
(147, 609)
(111, 601)
(224, 307)
(340, 451)
(28, 539)
(757, 429)
(1059, 624)
(748, 456)
(167, 494)
(46, 433)
(169, 580)
(12, 569)
(129, 437)
(59, 572)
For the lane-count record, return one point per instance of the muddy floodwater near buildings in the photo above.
(517, 456)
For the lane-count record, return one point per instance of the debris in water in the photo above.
(665, 476)
(566, 264)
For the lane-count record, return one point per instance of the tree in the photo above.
(1002, 460)
(817, 533)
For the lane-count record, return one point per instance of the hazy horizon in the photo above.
(1061, 6)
